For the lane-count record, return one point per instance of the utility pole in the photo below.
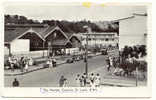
(136, 76)
(95, 44)
(86, 52)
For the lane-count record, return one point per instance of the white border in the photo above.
(107, 92)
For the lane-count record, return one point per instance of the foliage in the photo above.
(134, 51)
(66, 26)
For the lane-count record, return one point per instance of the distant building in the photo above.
(133, 30)
(22, 40)
(25, 38)
(104, 39)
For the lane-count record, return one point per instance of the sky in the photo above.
(71, 12)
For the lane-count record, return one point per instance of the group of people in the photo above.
(63, 82)
(22, 63)
(51, 62)
(113, 62)
(110, 62)
(122, 66)
(92, 80)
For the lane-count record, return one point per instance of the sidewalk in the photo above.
(39, 66)
(31, 69)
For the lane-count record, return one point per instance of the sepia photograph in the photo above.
(81, 45)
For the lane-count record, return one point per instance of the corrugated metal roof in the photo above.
(13, 33)
(47, 30)
(61, 42)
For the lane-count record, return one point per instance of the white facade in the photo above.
(100, 39)
(133, 31)
(20, 46)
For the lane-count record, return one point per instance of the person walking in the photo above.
(15, 83)
(48, 63)
(111, 61)
(54, 62)
(97, 80)
(92, 78)
(65, 82)
(26, 65)
(92, 81)
(22, 64)
(82, 81)
(85, 79)
(108, 64)
(61, 81)
(78, 82)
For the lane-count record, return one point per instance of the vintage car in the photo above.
(104, 52)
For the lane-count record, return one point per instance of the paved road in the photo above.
(50, 77)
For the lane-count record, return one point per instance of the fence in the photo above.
(33, 54)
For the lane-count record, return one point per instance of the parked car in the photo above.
(104, 52)
(70, 60)
(90, 55)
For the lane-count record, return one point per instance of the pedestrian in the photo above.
(97, 80)
(85, 79)
(111, 61)
(92, 81)
(11, 61)
(78, 80)
(108, 64)
(92, 78)
(65, 82)
(15, 83)
(51, 63)
(82, 81)
(26, 65)
(48, 63)
(115, 71)
(61, 81)
(12, 65)
(54, 62)
(22, 64)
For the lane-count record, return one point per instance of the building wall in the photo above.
(101, 39)
(36, 43)
(50, 38)
(6, 49)
(132, 30)
(20, 46)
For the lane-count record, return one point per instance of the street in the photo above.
(49, 77)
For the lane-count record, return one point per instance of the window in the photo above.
(102, 39)
(106, 39)
(89, 39)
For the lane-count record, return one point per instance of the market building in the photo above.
(21, 40)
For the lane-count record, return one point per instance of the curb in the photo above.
(22, 73)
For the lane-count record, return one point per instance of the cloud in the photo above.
(42, 11)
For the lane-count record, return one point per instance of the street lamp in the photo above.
(52, 48)
(136, 76)
(86, 53)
